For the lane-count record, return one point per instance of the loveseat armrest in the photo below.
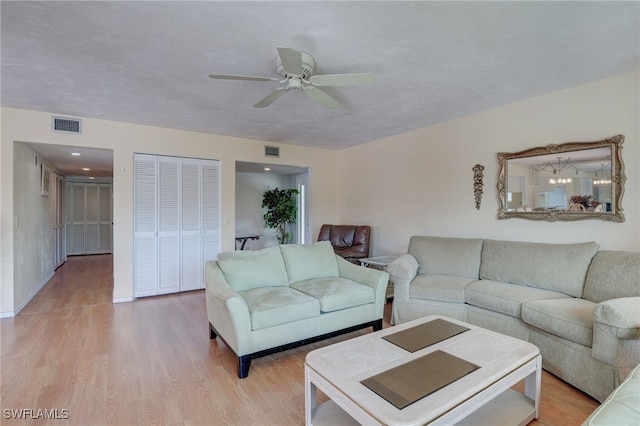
(374, 278)
(227, 312)
(402, 271)
(616, 331)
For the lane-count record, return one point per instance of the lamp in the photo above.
(602, 181)
(560, 180)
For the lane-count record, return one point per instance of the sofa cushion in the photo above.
(269, 306)
(336, 293)
(612, 275)
(621, 406)
(567, 317)
(445, 288)
(555, 267)
(504, 298)
(452, 256)
(304, 262)
(247, 269)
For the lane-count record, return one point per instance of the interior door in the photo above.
(145, 240)
(168, 240)
(105, 232)
(91, 237)
(211, 221)
(78, 220)
(190, 233)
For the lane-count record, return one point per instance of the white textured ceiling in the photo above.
(148, 62)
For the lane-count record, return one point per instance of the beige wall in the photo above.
(125, 139)
(415, 183)
(422, 182)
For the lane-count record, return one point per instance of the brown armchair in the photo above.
(349, 241)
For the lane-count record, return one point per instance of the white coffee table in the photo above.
(481, 397)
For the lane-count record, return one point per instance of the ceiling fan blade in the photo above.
(358, 79)
(240, 77)
(291, 61)
(321, 97)
(271, 97)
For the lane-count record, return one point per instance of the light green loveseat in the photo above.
(264, 301)
(579, 305)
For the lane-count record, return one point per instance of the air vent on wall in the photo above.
(271, 151)
(66, 125)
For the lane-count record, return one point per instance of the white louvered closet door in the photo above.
(105, 232)
(210, 212)
(145, 240)
(68, 218)
(168, 230)
(190, 224)
(79, 191)
(91, 219)
(177, 222)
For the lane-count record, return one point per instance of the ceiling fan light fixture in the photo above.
(297, 69)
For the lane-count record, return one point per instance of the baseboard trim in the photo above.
(123, 300)
(34, 292)
(9, 314)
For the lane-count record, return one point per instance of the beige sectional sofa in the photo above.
(264, 301)
(578, 304)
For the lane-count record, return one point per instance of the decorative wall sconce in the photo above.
(477, 184)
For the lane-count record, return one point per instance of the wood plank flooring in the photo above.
(150, 362)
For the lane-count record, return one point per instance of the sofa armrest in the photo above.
(616, 332)
(374, 278)
(622, 314)
(402, 270)
(227, 312)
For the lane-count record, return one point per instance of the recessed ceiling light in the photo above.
(266, 169)
(91, 177)
(75, 153)
(86, 169)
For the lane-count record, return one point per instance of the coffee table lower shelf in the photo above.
(508, 408)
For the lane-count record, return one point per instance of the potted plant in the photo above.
(281, 210)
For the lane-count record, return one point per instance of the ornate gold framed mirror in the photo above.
(569, 181)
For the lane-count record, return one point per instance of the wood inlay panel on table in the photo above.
(151, 362)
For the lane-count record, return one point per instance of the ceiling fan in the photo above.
(296, 68)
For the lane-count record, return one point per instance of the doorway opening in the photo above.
(252, 181)
(43, 207)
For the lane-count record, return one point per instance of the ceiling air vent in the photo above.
(66, 125)
(271, 151)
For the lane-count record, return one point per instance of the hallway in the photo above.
(80, 281)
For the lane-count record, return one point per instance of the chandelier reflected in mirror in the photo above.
(560, 181)
(603, 180)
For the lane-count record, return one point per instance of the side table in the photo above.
(380, 262)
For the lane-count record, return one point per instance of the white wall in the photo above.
(33, 217)
(125, 139)
(421, 183)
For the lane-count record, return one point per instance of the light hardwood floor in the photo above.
(150, 362)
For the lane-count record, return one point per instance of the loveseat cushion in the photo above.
(505, 298)
(567, 317)
(308, 261)
(452, 256)
(555, 267)
(445, 288)
(612, 275)
(247, 269)
(270, 306)
(336, 293)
